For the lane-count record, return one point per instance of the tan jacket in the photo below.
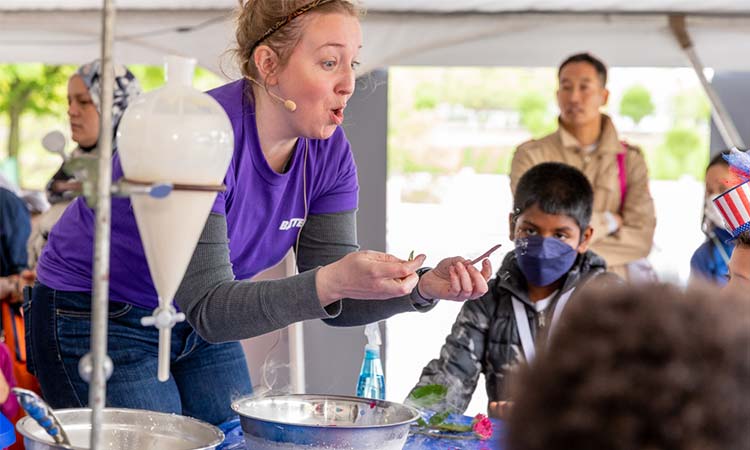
(633, 240)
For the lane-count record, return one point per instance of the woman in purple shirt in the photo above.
(292, 183)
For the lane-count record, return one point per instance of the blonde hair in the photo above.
(256, 17)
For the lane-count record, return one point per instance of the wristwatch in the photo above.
(416, 297)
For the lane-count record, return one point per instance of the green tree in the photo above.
(691, 108)
(683, 152)
(152, 77)
(29, 88)
(426, 96)
(149, 77)
(636, 103)
(535, 115)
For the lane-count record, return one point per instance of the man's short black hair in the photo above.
(601, 69)
(555, 188)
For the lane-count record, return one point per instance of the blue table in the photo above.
(234, 440)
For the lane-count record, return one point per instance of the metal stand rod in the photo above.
(100, 297)
(723, 120)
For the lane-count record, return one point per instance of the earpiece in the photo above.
(288, 104)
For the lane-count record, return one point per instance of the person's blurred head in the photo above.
(550, 220)
(718, 179)
(652, 367)
(582, 90)
(84, 101)
(718, 176)
(310, 58)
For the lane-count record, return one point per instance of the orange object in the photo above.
(13, 331)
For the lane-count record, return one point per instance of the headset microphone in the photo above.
(288, 104)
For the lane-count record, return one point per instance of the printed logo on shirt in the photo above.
(296, 222)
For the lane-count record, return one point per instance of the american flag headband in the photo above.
(734, 206)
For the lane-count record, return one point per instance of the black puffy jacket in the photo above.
(484, 338)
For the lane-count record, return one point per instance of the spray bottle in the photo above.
(371, 382)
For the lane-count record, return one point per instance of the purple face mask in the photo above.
(544, 260)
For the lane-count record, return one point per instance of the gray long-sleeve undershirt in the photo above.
(221, 308)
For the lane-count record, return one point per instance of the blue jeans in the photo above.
(205, 378)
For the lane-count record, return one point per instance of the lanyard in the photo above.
(522, 323)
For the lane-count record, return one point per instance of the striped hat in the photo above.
(734, 206)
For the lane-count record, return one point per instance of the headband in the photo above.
(287, 19)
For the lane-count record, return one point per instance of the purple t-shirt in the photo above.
(265, 210)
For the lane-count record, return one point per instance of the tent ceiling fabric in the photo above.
(415, 32)
(440, 6)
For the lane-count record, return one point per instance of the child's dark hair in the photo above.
(601, 69)
(743, 240)
(555, 188)
(652, 367)
(718, 159)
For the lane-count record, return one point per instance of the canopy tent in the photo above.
(417, 32)
(396, 32)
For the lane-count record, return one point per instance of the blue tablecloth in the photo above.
(234, 439)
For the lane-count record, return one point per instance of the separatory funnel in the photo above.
(176, 141)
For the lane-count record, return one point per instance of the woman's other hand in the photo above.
(367, 275)
(455, 279)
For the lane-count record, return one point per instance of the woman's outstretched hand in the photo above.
(367, 275)
(455, 279)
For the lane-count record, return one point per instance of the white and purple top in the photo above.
(264, 211)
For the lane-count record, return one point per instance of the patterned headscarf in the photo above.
(126, 88)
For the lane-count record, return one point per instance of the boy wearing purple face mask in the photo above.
(550, 227)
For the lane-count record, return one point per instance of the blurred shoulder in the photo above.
(546, 143)
(631, 149)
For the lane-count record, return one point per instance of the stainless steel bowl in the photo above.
(323, 422)
(125, 429)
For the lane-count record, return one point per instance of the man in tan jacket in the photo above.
(624, 217)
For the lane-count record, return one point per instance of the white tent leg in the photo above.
(721, 116)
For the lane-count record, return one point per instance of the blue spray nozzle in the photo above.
(371, 382)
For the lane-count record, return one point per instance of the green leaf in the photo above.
(453, 427)
(439, 418)
(428, 395)
(421, 422)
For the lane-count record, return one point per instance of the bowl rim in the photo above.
(243, 415)
(219, 435)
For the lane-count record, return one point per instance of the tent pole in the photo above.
(723, 120)
(100, 297)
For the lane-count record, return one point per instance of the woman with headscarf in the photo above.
(84, 111)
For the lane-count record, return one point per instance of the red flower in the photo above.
(482, 426)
